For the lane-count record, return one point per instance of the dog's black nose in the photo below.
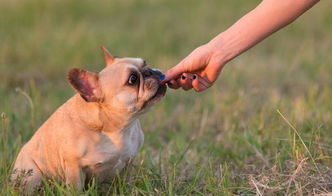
(152, 72)
(157, 72)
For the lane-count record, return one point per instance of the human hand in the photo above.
(199, 70)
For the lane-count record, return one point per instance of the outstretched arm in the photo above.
(200, 69)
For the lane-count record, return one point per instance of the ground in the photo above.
(264, 128)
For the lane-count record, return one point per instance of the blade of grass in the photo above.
(297, 133)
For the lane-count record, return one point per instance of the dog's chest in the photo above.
(113, 152)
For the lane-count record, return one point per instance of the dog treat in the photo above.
(162, 77)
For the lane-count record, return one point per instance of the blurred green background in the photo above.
(230, 139)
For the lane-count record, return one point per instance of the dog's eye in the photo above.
(133, 79)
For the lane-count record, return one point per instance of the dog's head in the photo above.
(125, 84)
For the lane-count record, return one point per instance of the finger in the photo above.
(173, 84)
(199, 84)
(188, 76)
(205, 82)
(185, 81)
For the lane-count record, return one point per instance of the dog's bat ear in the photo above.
(86, 84)
(109, 59)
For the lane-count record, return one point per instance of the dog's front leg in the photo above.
(29, 180)
(74, 175)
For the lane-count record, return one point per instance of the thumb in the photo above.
(174, 72)
(191, 63)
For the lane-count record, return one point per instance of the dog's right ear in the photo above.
(109, 59)
(86, 84)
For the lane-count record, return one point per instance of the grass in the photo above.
(264, 128)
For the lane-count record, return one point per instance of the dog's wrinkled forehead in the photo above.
(137, 62)
(123, 65)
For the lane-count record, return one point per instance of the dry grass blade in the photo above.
(297, 133)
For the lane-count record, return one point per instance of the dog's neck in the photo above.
(98, 117)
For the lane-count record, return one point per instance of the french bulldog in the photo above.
(96, 133)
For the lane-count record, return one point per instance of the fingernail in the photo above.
(183, 77)
(194, 77)
(162, 77)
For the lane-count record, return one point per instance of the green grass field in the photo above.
(264, 128)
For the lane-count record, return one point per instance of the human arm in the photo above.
(201, 68)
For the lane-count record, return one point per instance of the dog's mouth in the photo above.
(158, 95)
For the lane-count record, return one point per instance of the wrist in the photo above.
(217, 52)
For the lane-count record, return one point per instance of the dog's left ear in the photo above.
(86, 84)
(109, 59)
